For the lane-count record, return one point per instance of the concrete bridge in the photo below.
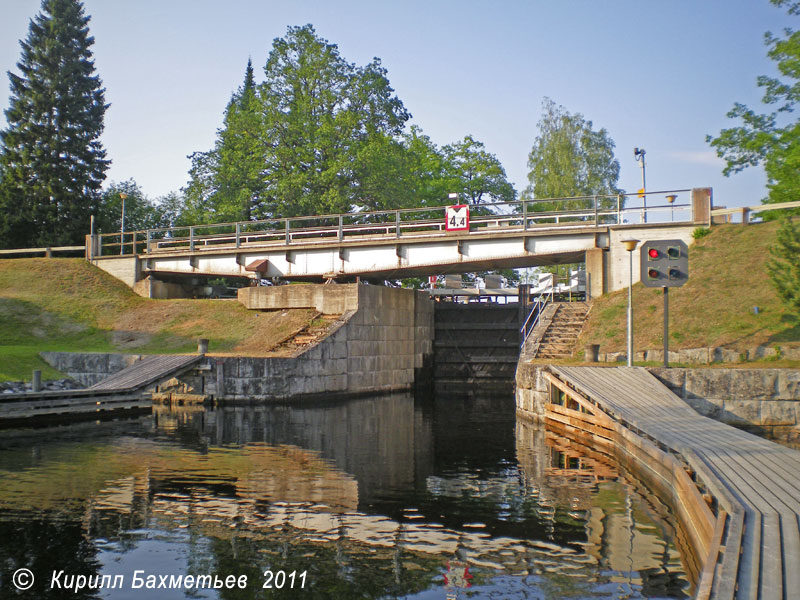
(403, 243)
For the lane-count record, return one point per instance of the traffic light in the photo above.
(664, 263)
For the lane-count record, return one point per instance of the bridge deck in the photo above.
(755, 549)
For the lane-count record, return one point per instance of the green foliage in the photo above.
(569, 158)
(226, 181)
(291, 145)
(321, 135)
(700, 232)
(52, 163)
(477, 175)
(783, 266)
(772, 138)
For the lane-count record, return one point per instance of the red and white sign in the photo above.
(457, 218)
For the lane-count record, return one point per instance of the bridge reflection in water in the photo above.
(372, 497)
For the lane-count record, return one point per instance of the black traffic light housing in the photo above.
(664, 263)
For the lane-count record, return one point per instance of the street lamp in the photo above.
(671, 199)
(639, 153)
(122, 195)
(630, 246)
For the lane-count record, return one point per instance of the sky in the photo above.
(656, 75)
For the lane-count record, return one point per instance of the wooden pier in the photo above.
(737, 495)
(125, 391)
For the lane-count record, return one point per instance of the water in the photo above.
(372, 498)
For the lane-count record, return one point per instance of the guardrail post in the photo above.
(191, 239)
(288, 235)
(595, 211)
(134, 243)
(238, 234)
(147, 250)
(341, 227)
(525, 215)
(397, 223)
(619, 209)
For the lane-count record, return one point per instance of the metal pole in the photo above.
(122, 228)
(666, 327)
(630, 311)
(644, 193)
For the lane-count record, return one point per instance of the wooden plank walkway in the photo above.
(754, 551)
(123, 391)
(147, 371)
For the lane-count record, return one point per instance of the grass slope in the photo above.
(69, 305)
(727, 279)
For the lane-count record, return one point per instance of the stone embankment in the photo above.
(765, 399)
(383, 342)
(20, 387)
(707, 356)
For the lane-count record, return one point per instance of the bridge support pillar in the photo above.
(596, 266)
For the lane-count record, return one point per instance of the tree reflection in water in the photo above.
(371, 498)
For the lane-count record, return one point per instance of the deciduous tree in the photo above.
(770, 138)
(568, 159)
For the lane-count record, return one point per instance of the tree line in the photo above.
(313, 134)
(316, 134)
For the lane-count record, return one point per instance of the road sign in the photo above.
(457, 218)
(664, 263)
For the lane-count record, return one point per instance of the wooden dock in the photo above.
(737, 495)
(124, 391)
(148, 371)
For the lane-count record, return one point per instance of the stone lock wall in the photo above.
(384, 342)
(765, 398)
(381, 347)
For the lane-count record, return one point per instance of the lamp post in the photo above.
(671, 199)
(122, 195)
(630, 246)
(639, 153)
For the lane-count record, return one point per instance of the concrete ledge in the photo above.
(328, 299)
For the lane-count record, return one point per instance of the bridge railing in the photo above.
(580, 211)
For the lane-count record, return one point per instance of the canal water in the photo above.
(385, 497)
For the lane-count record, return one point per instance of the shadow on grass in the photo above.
(790, 331)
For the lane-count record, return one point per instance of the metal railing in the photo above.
(533, 317)
(581, 211)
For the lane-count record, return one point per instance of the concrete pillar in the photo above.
(202, 346)
(595, 272)
(36, 382)
(701, 206)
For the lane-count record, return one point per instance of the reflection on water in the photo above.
(371, 498)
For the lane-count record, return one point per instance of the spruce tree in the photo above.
(52, 163)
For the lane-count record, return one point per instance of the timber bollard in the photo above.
(202, 346)
(36, 382)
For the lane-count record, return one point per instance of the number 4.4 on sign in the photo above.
(457, 218)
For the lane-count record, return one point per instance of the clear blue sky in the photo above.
(658, 75)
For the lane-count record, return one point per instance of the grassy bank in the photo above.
(69, 305)
(716, 307)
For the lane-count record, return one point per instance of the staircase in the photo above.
(561, 335)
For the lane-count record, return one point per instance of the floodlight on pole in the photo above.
(122, 195)
(630, 246)
(639, 153)
(671, 199)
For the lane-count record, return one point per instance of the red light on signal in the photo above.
(653, 253)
